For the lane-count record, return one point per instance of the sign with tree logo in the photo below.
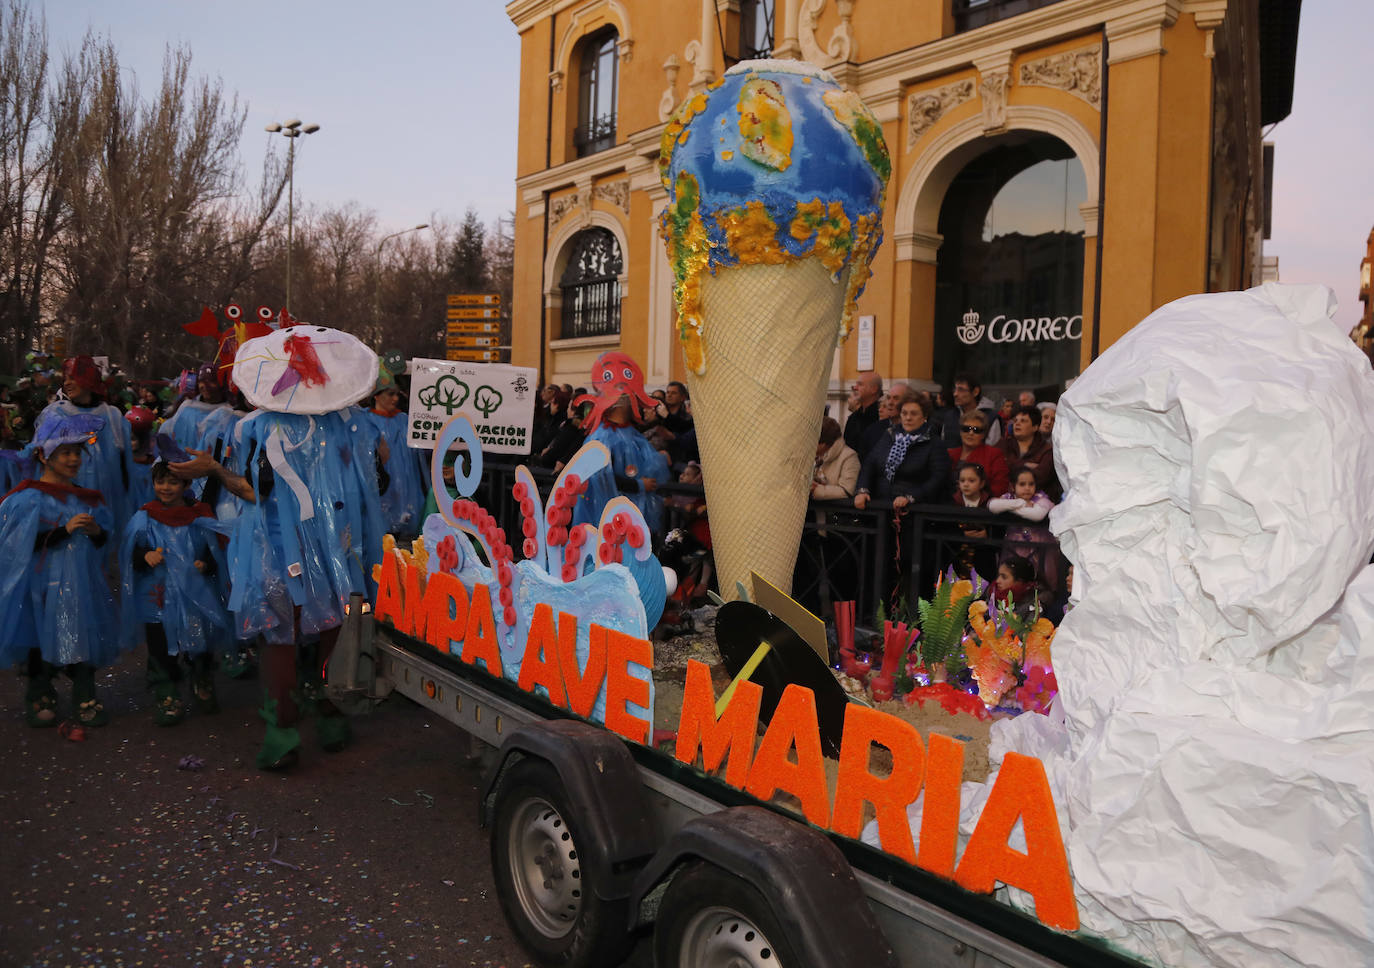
(498, 399)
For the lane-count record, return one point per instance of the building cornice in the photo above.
(526, 13)
(1139, 20)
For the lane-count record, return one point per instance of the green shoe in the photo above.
(281, 745)
(242, 664)
(203, 698)
(168, 709)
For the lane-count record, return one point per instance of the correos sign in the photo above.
(1006, 329)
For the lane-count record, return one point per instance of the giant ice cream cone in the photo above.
(776, 181)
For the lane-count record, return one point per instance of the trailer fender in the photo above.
(600, 777)
(800, 873)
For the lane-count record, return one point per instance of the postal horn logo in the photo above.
(971, 331)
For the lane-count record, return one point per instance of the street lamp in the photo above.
(377, 286)
(292, 129)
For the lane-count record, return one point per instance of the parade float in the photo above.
(1185, 781)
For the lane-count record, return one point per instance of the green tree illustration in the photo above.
(486, 400)
(448, 392)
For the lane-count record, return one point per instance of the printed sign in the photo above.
(1004, 329)
(498, 398)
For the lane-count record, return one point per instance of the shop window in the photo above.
(596, 94)
(591, 285)
(755, 29)
(1009, 273)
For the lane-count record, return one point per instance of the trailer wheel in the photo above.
(545, 891)
(711, 919)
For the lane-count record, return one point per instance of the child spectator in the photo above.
(1015, 583)
(972, 492)
(1031, 541)
(54, 590)
(169, 559)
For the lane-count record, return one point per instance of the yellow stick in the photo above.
(759, 655)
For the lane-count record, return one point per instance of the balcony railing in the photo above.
(969, 14)
(598, 134)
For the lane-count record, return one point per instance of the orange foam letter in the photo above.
(414, 602)
(793, 723)
(733, 733)
(1023, 792)
(582, 686)
(621, 687)
(390, 600)
(443, 619)
(480, 642)
(539, 667)
(890, 794)
(940, 810)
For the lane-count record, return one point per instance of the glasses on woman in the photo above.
(973, 429)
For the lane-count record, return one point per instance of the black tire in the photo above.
(548, 896)
(712, 919)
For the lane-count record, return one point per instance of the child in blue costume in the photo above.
(141, 422)
(636, 470)
(169, 560)
(54, 591)
(403, 500)
(106, 464)
(306, 541)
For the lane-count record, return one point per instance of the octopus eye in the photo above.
(629, 373)
(607, 376)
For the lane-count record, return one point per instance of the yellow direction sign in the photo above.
(469, 340)
(474, 356)
(473, 312)
(469, 326)
(474, 299)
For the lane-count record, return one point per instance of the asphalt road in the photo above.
(115, 856)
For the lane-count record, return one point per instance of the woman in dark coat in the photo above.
(909, 467)
(1026, 446)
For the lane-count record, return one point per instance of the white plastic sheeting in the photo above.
(1212, 747)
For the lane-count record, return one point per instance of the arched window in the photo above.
(755, 29)
(596, 94)
(591, 285)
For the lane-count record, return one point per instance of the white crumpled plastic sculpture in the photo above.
(1212, 747)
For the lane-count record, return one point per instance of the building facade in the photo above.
(1060, 168)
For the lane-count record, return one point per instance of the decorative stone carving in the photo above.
(626, 49)
(562, 205)
(1077, 71)
(616, 192)
(703, 72)
(993, 90)
(841, 44)
(556, 80)
(668, 101)
(927, 107)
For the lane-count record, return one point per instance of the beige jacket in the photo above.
(837, 474)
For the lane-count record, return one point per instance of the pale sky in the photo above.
(417, 106)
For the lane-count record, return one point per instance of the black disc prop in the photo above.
(741, 627)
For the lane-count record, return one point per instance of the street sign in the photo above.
(473, 312)
(471, 355)
(469, 326)
(474, 299)
(471, 340)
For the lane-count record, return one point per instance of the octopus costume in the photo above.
(616, 376)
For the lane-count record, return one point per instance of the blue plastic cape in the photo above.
(404, 501)
(217, 438)
(175, 594)
(628, 449)
(56, 599)
(106, 463)
(312, 540)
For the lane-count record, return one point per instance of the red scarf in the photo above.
(177, 517)
(383, 413)
(61, 491)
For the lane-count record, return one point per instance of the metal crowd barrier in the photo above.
(878, 558)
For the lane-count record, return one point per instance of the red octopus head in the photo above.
(615, 375)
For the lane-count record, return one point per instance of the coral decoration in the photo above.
(897, 639)
(991, 668)
(952, 700)
(1038, 644)
(615, 375)
(303, 365)
(1038, 691)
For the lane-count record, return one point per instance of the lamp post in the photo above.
(377, 286)
(292, 129)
